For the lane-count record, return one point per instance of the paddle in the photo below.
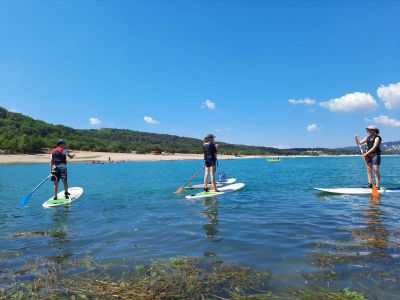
(178, 191)
(375, 193)
(26, 198)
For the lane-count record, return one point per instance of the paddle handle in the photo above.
(362, 152)
(358, 143)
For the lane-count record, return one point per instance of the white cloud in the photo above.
(355, 102)
(305, 101)
(209, 104)
(150, 120)
(14, 110)
(94, 121)
(313, 127)
(390, 95)
(385, 120)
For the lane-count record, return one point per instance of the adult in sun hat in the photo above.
(210, 161)
(373, 154)
(58, 167)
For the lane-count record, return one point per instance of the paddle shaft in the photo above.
(44, 180)
(362, 152)
(178, 191)
(26, 198)
(359, 146)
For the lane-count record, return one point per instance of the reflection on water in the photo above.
(211, 212)
(374, 234)
(59, 224)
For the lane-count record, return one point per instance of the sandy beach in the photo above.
(105, 157)
(86, 156)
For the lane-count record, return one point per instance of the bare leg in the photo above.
(206, 172)
(55, 188)
(377, 175)
(65, 186)
(369, 172)
(212, 171)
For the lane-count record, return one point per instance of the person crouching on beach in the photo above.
(373, 154)
(58, 167)
(210, 161)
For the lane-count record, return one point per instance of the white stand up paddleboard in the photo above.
(75, 192)
(218, 183)
(222, 190)
(357, 191)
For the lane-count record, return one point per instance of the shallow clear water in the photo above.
(129, 215)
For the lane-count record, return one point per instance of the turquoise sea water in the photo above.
(129, 216)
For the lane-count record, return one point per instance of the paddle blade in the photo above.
(375, 193)
(24, 200)
(178, 191)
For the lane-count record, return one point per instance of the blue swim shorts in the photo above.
(374, 160)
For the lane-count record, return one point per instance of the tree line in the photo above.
(23, 134)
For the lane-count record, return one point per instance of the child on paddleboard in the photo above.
(373, 154)
(58, 167)
(210, 161)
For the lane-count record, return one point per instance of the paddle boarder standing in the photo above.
(210, 161)
(373, 154)
(58, 167)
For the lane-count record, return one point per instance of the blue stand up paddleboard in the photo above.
(222, 190)
(75, 193)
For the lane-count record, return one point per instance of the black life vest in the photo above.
(57, 157)
(210, 151)
(371, 142)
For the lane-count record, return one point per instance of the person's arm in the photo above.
(360, 142)
(68, 154)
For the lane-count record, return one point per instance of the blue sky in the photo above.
(273, 73)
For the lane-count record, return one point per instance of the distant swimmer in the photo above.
(373, 154)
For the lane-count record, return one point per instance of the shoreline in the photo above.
(104, 157)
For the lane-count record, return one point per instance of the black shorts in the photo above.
(59, 173)
(210, 163)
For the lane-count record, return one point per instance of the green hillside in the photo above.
(22, 134)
